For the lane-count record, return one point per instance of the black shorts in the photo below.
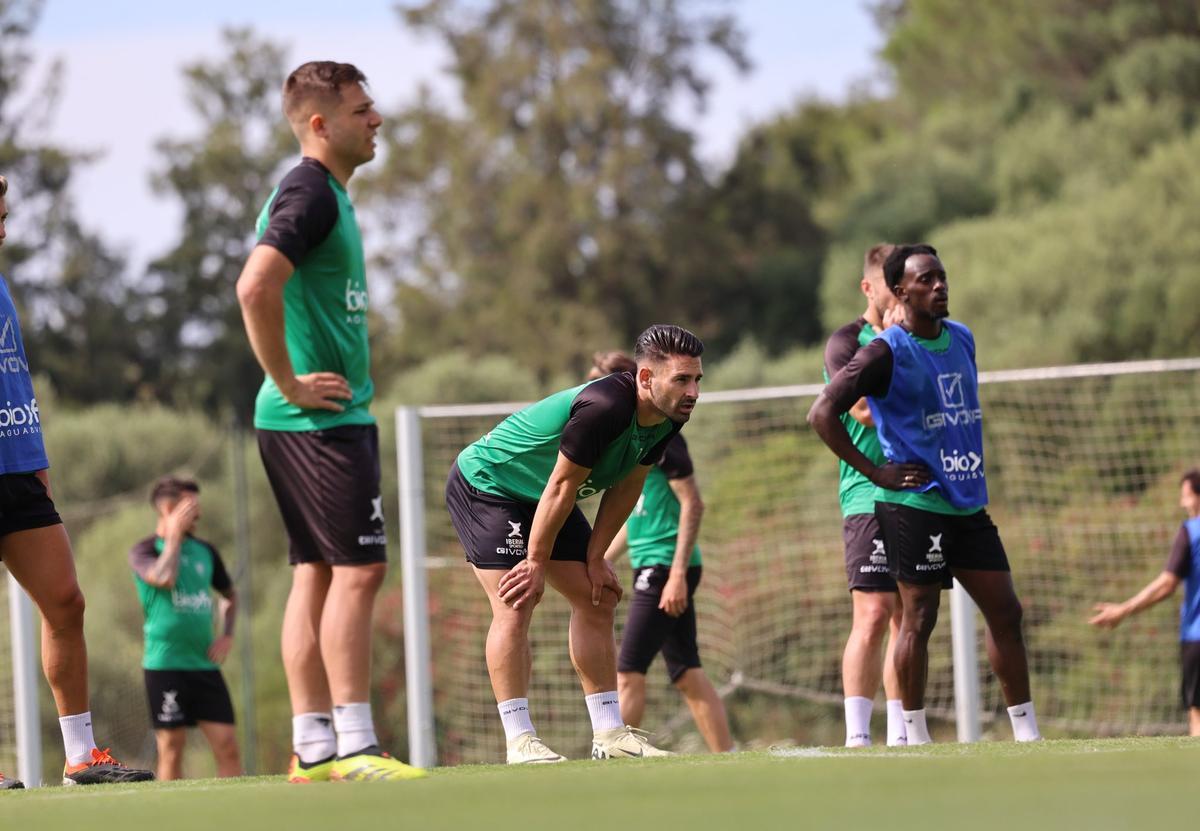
(182, 697)
(24, 504)
(326, 483)
(866, 559)
(494, 531)
(1189, 659)
(649, 630)
(924, 547)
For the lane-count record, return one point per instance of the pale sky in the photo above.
(123, 88)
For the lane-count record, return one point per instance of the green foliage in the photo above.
(457, 378)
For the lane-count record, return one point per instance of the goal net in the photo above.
(1083, 471)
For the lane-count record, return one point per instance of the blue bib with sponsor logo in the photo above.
(21, 447)
(1189, 612)
(931, 413)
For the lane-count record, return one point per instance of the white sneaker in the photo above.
(623, 743)
(528, 749)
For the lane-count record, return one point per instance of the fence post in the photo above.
(25, 692)
(245, 596)
(966, 664)
(418, 669)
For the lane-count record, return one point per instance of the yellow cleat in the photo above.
(372, 765)
(301, 774)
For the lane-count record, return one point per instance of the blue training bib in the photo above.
(1189, 612)
(21, 446)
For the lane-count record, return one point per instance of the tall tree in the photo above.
(557, 207)
(222, 175)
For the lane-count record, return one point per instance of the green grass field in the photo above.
(1114, 783)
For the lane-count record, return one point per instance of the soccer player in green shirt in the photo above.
(661, 538)
(176, 574)
(304, 299)
(512, 498)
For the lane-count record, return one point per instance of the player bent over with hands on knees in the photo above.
(920, 381)
(1183, 565)
(511, 497)
(661, 538)
(37, 552)
(176, 574)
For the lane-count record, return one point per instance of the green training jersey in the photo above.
(856, 493)
(594, 425)
(179, 627)
(309, 219)
(653, 527)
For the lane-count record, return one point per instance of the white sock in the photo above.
(77, 737)
(858, 721)
(514, 715)
(605, 711)
(915, 727)
(1024, 722)
(312, 737)
(354, 727)
(897, 735)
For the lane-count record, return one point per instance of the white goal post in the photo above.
(1084, 464)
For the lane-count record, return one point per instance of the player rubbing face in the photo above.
(924, 290)
(674, 385)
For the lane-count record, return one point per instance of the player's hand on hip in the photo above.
(602, 576)
(674, 597)
(523, 585)
(318, 391)
(901, 477)
(1107, 615)
(218, 651)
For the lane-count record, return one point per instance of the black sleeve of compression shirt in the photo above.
(220, 577)
(142, 557)
(600, 413)
(868, 373)
(676, 462)
(841, 347)
(1179, 562)
(303, 212)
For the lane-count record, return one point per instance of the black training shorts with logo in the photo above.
(24, 504)
(494, 531)
(183, 697)
(866, 557)
(1189, 659)
(924, 547)
(327, 485)
(649, 630)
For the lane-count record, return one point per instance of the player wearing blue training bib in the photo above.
(1183, 565)
(920, 381)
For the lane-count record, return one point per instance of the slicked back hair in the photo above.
(3, 187)
(1192, 477)
(893, 266)
(172, 487)
(320, 81)
(606, 363)
(662, 340)
(876, 255)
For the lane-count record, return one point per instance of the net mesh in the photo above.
(1083, 471)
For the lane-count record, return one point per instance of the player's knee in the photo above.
(364, 579)
(920, 619)
(691, 682)
(1007, 622)
(872, 621)
(63, 610)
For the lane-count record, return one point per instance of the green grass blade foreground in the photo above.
(1112, 783)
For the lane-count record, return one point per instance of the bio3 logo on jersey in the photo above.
(954, 405)
(586, 490)
(194, 602)
(357, 303)
(20, 419)
(10, 356)
(960, 467)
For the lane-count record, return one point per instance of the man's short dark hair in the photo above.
(663, 339)
(876, 255)
(172, 487)
(1192, 477)
(317, 80)
(893, 266)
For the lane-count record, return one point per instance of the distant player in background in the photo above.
(661, 537)
(303, 293)
(512, 498)
(1183, 564)
(35, 549)
(176, 575)
(873, 594)
(922, 384)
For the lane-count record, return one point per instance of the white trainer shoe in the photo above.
(624, 743)
(528, 749)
